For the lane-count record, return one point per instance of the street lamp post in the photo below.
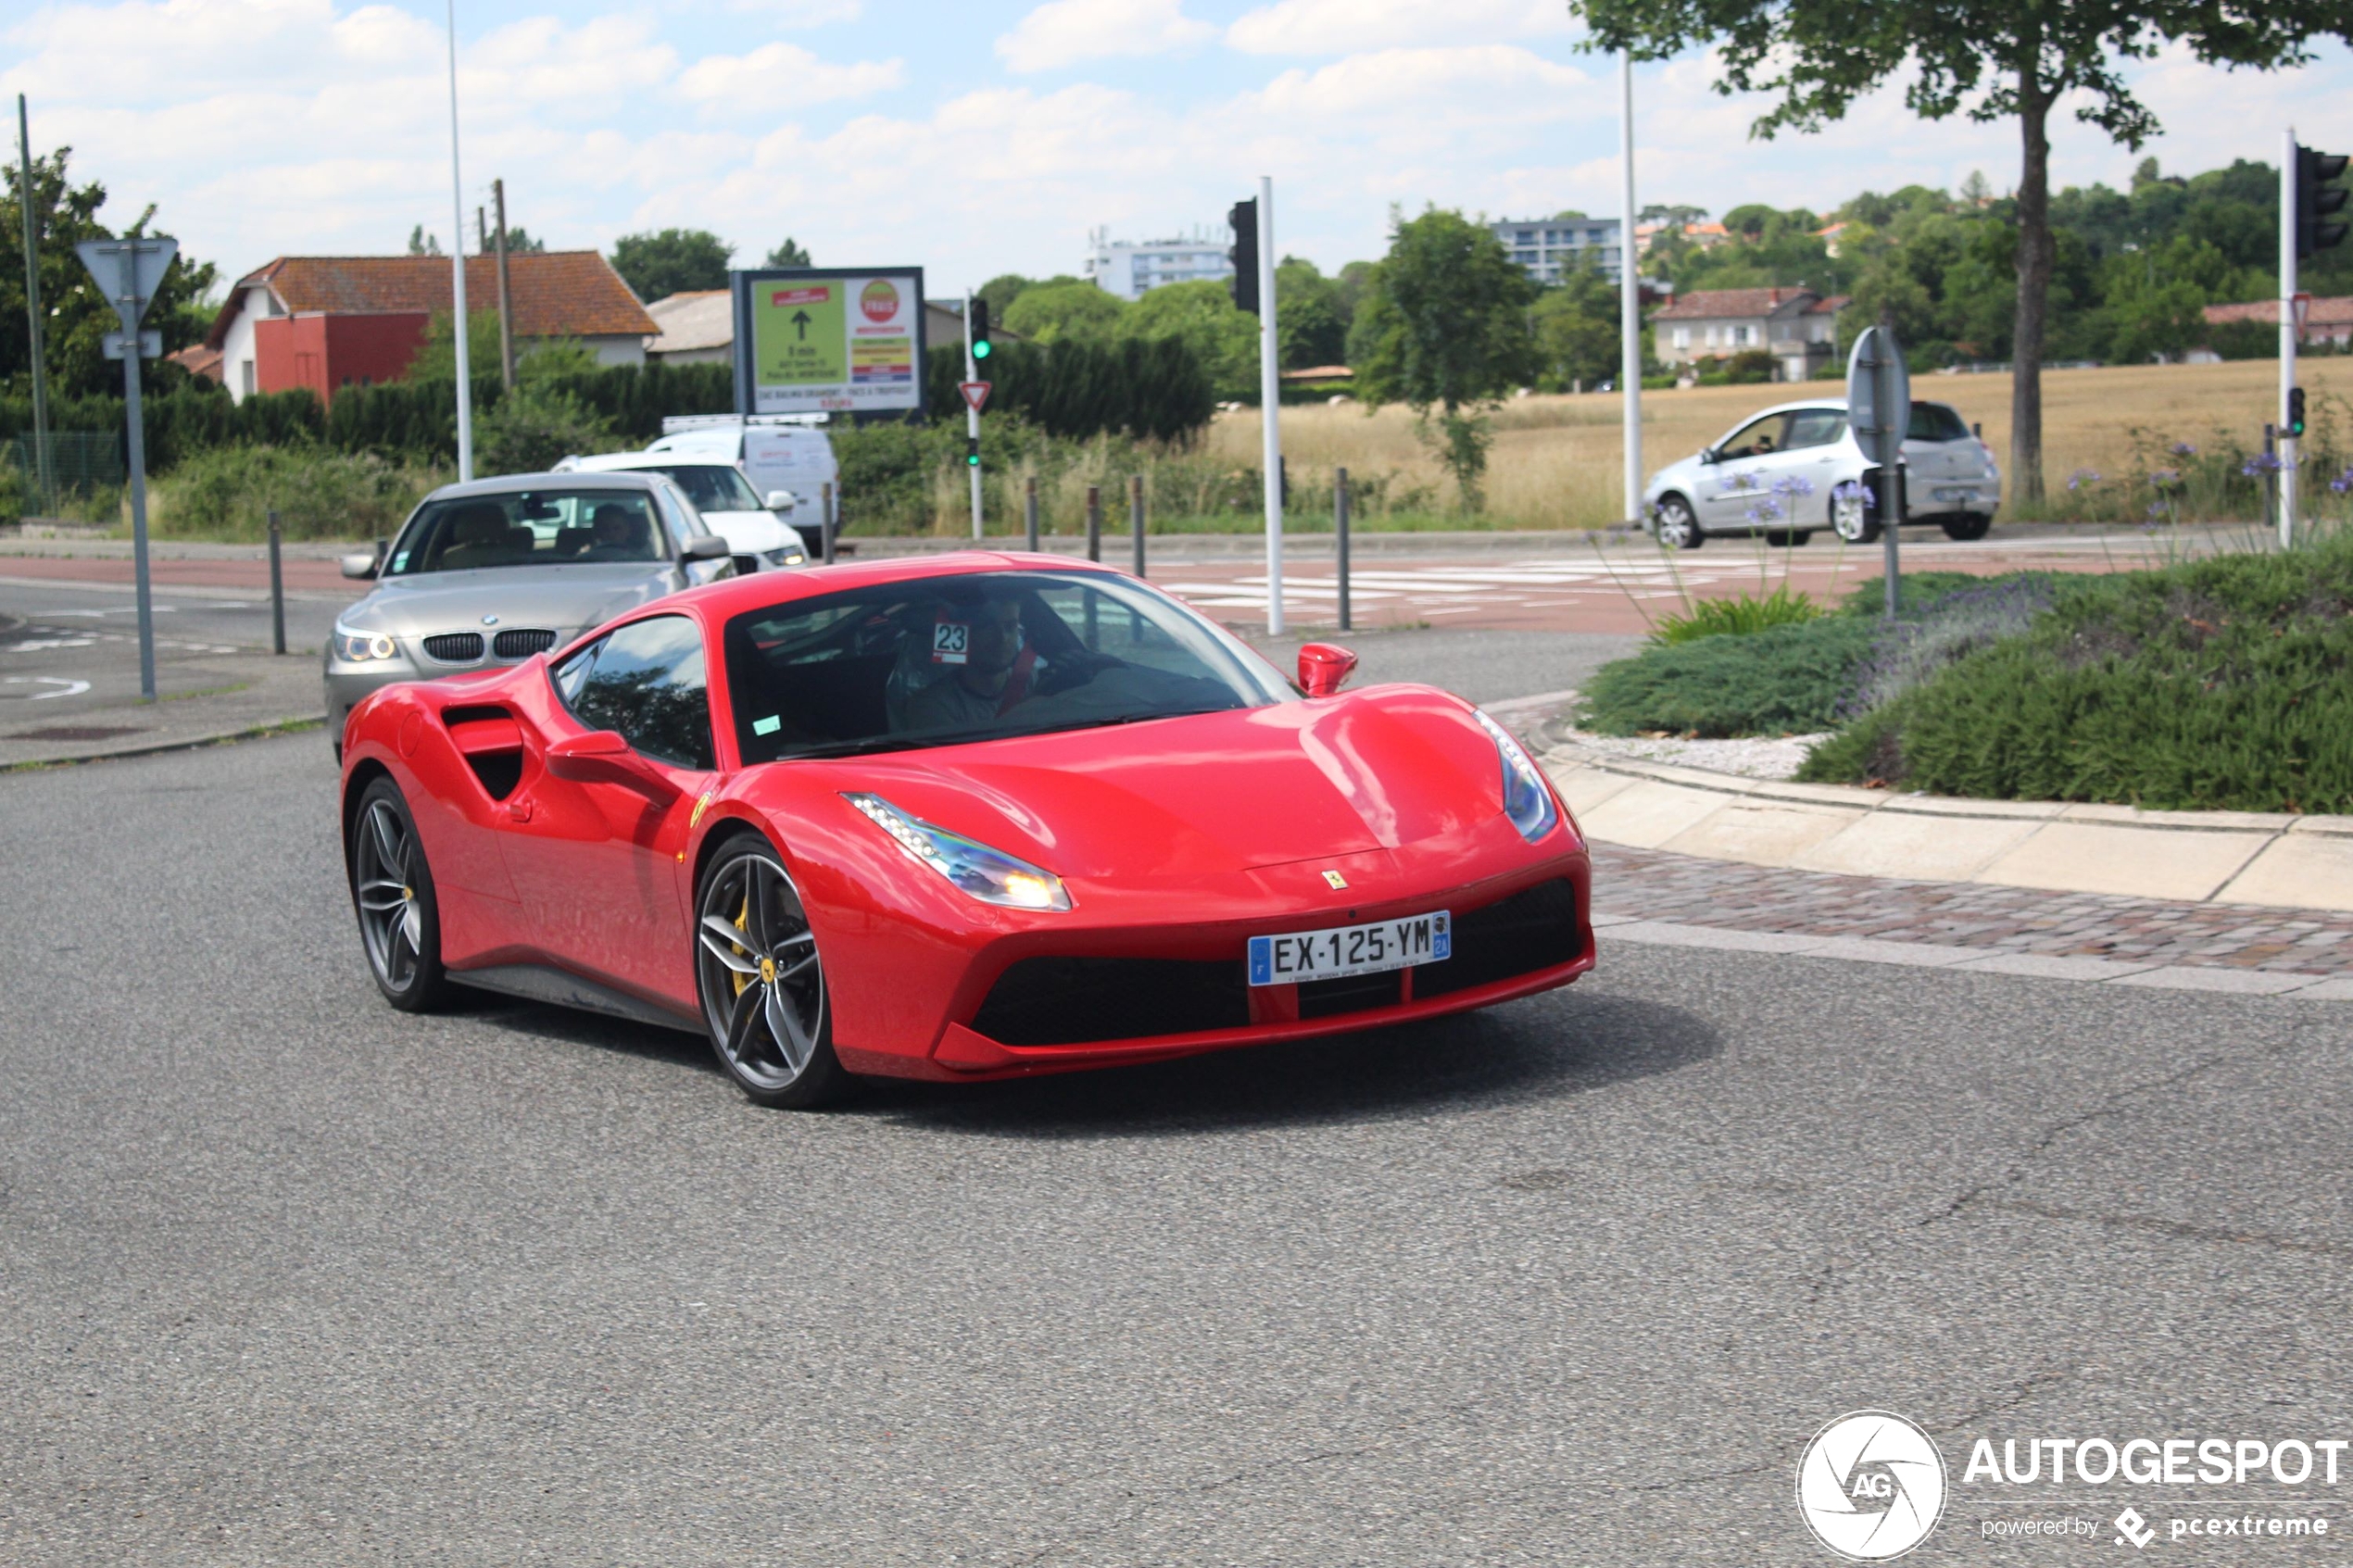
(457, 271)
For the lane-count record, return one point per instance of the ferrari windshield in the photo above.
(943, 660)
(529, 528)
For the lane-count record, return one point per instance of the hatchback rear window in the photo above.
(1934, 421)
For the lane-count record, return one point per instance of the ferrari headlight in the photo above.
(989, 875)
(1526, 801)
(363, 647)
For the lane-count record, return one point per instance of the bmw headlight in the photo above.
(1526, 801)
(989, 875)
(363, 647)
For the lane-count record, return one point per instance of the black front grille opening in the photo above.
(1064, 1001)
(522, 642)
(453, 647)
(1530, 930)
(1357, 993)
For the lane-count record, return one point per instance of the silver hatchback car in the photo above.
(1796, 468)
(492, 572)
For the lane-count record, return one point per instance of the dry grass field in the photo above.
(1555, 462)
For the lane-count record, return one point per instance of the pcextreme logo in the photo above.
(1871, 1485)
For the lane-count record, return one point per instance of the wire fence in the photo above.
(80, 463)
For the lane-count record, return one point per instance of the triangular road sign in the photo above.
(144, 260)
(975, 394)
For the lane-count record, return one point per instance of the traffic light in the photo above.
(980, 329)
(2317, 195)
(2295, 412)
(972, 451)
(1244, 217)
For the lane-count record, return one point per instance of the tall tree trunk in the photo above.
(2037, 254)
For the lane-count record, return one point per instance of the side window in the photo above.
(682, 521)
(646, 680)
(1755, 438)
(1815, 427)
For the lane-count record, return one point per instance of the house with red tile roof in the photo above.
(327, 322)
(2329, 319)
(1798, 327)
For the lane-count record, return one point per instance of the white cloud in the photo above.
(1339, 27)
(1062, 33)
(1391, 83)
(781, 72)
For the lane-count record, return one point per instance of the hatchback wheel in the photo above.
(1674, 526)
(1965, 526)
(761, 982)
(1850, 518)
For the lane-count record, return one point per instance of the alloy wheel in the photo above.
(1675, 526)
(1851, 520)
(763, 989)
(384, 879)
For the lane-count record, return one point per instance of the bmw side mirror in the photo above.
(1323, 666)
(708, 547)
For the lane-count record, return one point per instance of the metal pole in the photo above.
(1630, 292)
(1094, 522)
(2270, 481)
(2288, 443)
(1029, 510)
(1339, 530)
(506, 297)
(1270, 400)
(277, 591)
(972, 415)
(138, 434)
(44, 479)
(1136, 517)
(457, 271)
(825, 522)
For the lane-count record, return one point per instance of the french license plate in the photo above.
(1350, 950)
(1950, 493)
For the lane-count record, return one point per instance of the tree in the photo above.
(1066, 311)
(1991, 59)
(73, 337)
(1308, 318)
(673, 261)
(1444, 326)
(1201, 316)
(520, 242)
(1002, 291)
(422, 243)
(790, 253)
(1576, 326)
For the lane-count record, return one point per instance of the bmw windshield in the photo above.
(529, 528)
(945, 661)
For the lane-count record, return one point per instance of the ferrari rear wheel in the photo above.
(762, 985)
(392, 890)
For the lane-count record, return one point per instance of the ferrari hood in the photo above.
(1213, 792)
(563, 598)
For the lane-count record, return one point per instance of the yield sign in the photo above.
(975, 394)
(127, 272)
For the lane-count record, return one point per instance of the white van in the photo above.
(757, 536)
(775, 456)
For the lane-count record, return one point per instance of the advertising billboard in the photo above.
(843, 340)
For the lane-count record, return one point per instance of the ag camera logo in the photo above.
(1871, 1485)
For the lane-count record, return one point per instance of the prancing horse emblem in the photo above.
(1335, 879)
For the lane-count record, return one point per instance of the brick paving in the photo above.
(1686, 890)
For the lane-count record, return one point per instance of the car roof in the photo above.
(515, 483)
(624, 462)
(1836, 401)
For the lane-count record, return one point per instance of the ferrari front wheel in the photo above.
(761, 980)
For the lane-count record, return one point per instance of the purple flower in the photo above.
(2083, 477)
(1792, 485)
(2259, 465)
(1766, 510)
(2183, 449)
(2157, 508)
(2343, 483)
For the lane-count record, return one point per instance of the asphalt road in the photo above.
(286, 1276)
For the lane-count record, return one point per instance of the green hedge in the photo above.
(2216, 685)
(1153, 389)
(1789, 679)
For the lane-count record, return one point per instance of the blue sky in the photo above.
(974, 138)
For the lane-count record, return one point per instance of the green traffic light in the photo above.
(980, 349)
(973, 459)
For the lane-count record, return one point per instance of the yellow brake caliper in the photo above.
(743, 923)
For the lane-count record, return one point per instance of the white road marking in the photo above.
(71, 688)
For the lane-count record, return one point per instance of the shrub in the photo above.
(2215, 685)
(1786, 680)
(318, 494)
(1738, 616)
(532, 427)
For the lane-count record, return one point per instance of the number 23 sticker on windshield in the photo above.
(950, 642)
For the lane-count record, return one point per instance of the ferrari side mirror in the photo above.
(1323, 666)
(603, 757)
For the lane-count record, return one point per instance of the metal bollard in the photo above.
(825, 524)
(1094, 522)
(1029, 511)
(1339, 530)
(277, 591)
(2271, 482)
(1136, 517)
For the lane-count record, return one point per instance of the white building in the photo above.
(1548, 249)
(1132, 270)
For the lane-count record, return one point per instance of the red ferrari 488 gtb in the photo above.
(968, 816)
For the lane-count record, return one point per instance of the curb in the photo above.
(259, 730)
(2275, 860)
(1979, 960)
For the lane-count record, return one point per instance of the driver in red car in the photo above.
(990, 665)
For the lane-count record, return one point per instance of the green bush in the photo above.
(2217, 684)
(1739, 616)
(529, 429)
(1788, 680)
(317, 492)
